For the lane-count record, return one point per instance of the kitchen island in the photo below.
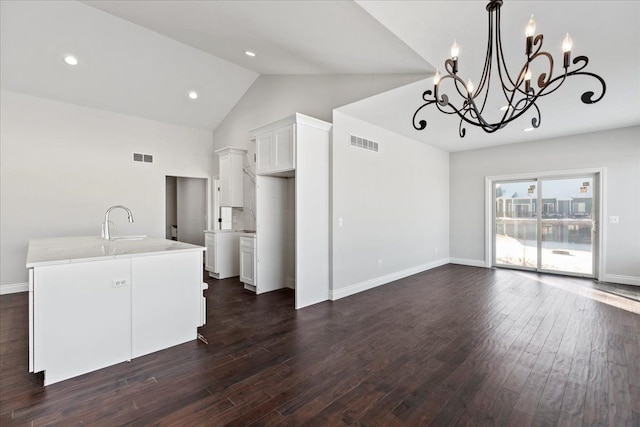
(94, 302)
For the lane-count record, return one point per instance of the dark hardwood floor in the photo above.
(451, 346)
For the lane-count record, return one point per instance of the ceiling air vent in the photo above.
(364, 143)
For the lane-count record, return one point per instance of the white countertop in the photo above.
(63, 250)
(231, 231)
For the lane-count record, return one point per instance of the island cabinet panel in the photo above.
(165, 290)
(82, 317)
(95, 302)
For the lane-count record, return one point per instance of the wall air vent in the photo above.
(139, 157)
(364, 143)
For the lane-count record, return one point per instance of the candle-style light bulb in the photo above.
(531, 28)
(455, 49)
(436, 78)
(567, 43)
(527, 80)
(527, 75)
(470, 86)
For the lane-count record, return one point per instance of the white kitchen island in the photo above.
(94, 303)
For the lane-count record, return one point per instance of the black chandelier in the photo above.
(519, 93)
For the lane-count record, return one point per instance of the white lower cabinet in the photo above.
(221, 259)
(90, 315)
(248, 261)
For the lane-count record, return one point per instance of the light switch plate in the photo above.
(614, 220)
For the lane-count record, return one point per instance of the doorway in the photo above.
(547, 223)
(222, 216)
(186, 209)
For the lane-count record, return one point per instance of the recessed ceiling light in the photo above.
(71, 60)
(528, 129)
(249, 53)
(193, 95)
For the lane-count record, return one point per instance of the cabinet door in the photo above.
(225, 180)
(247, 270)
(209, 260)
(284, 142)
(210, 253)
(166, 296)
(264, 148)
(82, 317)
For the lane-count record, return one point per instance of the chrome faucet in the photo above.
(105, 225)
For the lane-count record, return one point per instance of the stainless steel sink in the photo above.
(140, 237)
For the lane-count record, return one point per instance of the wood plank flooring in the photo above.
(454, 345)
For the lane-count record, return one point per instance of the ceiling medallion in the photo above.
(519, 94)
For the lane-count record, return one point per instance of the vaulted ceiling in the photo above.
(142, 57)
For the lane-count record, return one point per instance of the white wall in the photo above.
(394, 205)
(63, 165)
(191, 210)
(171, 204)
(616, 150)
(274, 97)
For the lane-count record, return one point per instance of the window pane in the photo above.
(516, 224)
(566, 233)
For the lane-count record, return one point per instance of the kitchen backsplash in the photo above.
(246, 217)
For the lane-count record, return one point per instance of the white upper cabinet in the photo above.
(276, 150)
(231, 176)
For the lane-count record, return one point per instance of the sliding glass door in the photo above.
(546, 224)
(567, 225)
(516, 226)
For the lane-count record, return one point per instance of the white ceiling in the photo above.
(289, 37)
(142, 57)
(122, 67)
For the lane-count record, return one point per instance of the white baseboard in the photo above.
(382, 280)
(14, 288)
(624, 280)
(469, 262)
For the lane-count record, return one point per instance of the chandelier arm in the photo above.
(448, 67)
(500, 55)
(486, 93)
(457, 80)
(472, 110)
(587, 97)
(544, 79)
(485, 79)
(488, 59)
(444, 102)
(422, 123)
(520, 110)
(461, 131)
